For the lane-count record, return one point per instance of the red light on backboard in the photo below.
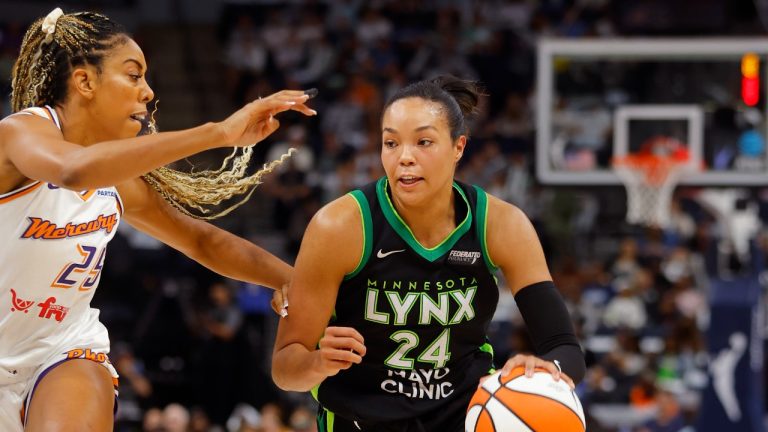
(750, 91)
(750, 79)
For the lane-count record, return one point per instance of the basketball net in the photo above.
(650, 176)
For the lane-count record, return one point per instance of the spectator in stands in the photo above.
(175, 418)
(669, 417)
(220, 370)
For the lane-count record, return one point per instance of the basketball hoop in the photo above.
(650, 176)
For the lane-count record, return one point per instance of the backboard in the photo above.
(597, 99)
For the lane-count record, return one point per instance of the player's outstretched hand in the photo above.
(339, 348)
(279, 301)
(256, 120)
(530, 363)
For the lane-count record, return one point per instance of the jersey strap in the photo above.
(482, 227)
(44, 112)
(365, 216)
(12, 195)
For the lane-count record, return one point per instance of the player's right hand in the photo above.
(256, 120)
(339, 349)
(530, 363)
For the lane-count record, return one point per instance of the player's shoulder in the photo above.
(338, 215)
(30, 120)
(502, 210)
(336, 227)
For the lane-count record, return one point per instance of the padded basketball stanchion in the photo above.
(733, 399)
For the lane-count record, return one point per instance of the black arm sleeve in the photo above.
(550, 327)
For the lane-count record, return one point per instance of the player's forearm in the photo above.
(266, 269)
(292, 368)
(550, 327)
(112, 162)
(237, 258)
(570, 358)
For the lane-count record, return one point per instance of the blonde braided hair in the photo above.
(53, 46)
(46, 59)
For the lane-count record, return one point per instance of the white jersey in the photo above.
(54, 242)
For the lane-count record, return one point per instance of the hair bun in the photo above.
(466, 93)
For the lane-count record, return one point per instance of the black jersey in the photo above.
(423, 313)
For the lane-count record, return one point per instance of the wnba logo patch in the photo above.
(463, 257)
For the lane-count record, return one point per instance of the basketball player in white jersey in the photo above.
(71, 168)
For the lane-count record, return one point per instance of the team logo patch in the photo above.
(463, 257)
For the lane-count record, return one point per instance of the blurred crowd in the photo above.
(193, 350)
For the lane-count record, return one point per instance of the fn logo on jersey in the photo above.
(463, 257)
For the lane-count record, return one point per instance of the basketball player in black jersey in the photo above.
(402, 269)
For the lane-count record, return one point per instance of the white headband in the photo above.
(49, 24)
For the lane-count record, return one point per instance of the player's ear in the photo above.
(84, 81)
(459, 146)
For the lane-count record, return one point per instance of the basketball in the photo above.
(516, 403)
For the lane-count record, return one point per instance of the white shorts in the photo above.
(15, 396)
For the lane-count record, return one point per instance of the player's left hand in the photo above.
(256, 120)
(530, 363)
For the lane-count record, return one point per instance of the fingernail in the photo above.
(310, 93)
(313, 112)
(283, 313)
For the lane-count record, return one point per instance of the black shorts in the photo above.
(449, 418)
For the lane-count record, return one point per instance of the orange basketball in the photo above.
(515, 403)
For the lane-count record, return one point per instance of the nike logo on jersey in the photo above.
(382, 254)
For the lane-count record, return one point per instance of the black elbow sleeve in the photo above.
(550, 327)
